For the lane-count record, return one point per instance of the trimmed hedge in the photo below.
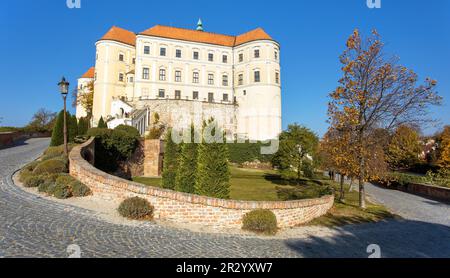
(247, 152)
(34, 181)
(130, 130)
(79, 189)
(136, 208)
(261, 221)
(51, 166)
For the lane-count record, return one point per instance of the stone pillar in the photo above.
(153, 156)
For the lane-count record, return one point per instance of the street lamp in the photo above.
(64, 90)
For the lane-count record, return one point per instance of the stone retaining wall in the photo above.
(187, 208)
(434, 192)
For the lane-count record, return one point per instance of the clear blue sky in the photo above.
(43, 40)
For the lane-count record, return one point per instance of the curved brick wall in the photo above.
(188, 208)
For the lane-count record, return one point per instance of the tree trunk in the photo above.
(362, 195)
(342, 194)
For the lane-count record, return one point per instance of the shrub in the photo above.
(260, 221)
(130, 130)
(136, 208)
(170, 163)
(98, 132)
(47, 187)
(247, 152)
(83, 126)
(30, 166)
(79, 189)
(25, 174)
(58, 130)
(51, 166)
(65, 180)
(62, 191)
(34, 181)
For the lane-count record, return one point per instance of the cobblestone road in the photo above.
(34, 227)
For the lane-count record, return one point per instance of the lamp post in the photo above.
(64, 90)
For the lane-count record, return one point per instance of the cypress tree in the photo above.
(58, 129)
(83, 126)
(101, 123)
(170, 165)
(187, 166)
(213, 173)
(72, 128)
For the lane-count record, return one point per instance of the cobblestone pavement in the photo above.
(34, 227)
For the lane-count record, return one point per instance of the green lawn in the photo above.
(264, 185)
(246, 184)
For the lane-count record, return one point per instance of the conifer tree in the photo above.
(170, 165)
(213, 173)
(83, 126)
(187, 166)
(72, 128)
(58, 130)
(101, 123)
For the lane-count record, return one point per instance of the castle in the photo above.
(187, 76)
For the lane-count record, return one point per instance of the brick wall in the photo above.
(434, 192)
(188, 208)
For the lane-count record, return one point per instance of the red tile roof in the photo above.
(120, 35)
(128, 37)
(89, 74)
(206, 37)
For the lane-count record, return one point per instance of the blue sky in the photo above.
(43, 40)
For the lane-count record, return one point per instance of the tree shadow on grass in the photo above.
(396, 239)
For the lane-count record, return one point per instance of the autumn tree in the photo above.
(376, 92)
(444, 148)
(298, 145)
(85, 99)
(404, 148)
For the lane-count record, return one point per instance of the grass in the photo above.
(348, 211)
(261, 185)
(245, 184)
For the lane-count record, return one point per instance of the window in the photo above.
(241, 79)
(147, 50)
(177, 94)
(210, 79)
(121, 77)
(162, 51)
(161, 93)
(241, 57)
(146, 73)
(225, 59)
(256, 53)
(257, 76)
(81, 87)
(134, 60)
(162, 75)
(195, 55)
(121, 57)
(211, 57)
(131, 79)
(276, 55)
(225, 97)
(195, 77)
(277, 77)
(178, 53)
(224, 80)
(210, 97)
(177, 76)
(95, 76)
(194, 95)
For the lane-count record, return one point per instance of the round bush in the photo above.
(47, 187)
(24, 175)
(62, 191)
(260, 221)
(65, 180)
(79, 189)
(30, 166)
(136, 208)
(130, 130)
(99, 132)
(51, 166)
(34, 181)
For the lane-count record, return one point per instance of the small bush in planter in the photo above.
(79, 189)
(51, 166)
(30, 166)
(34, 181)
(136, 208)
(260, 221)
(24, 175)
(47, 187)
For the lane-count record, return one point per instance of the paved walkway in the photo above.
(31, 226)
